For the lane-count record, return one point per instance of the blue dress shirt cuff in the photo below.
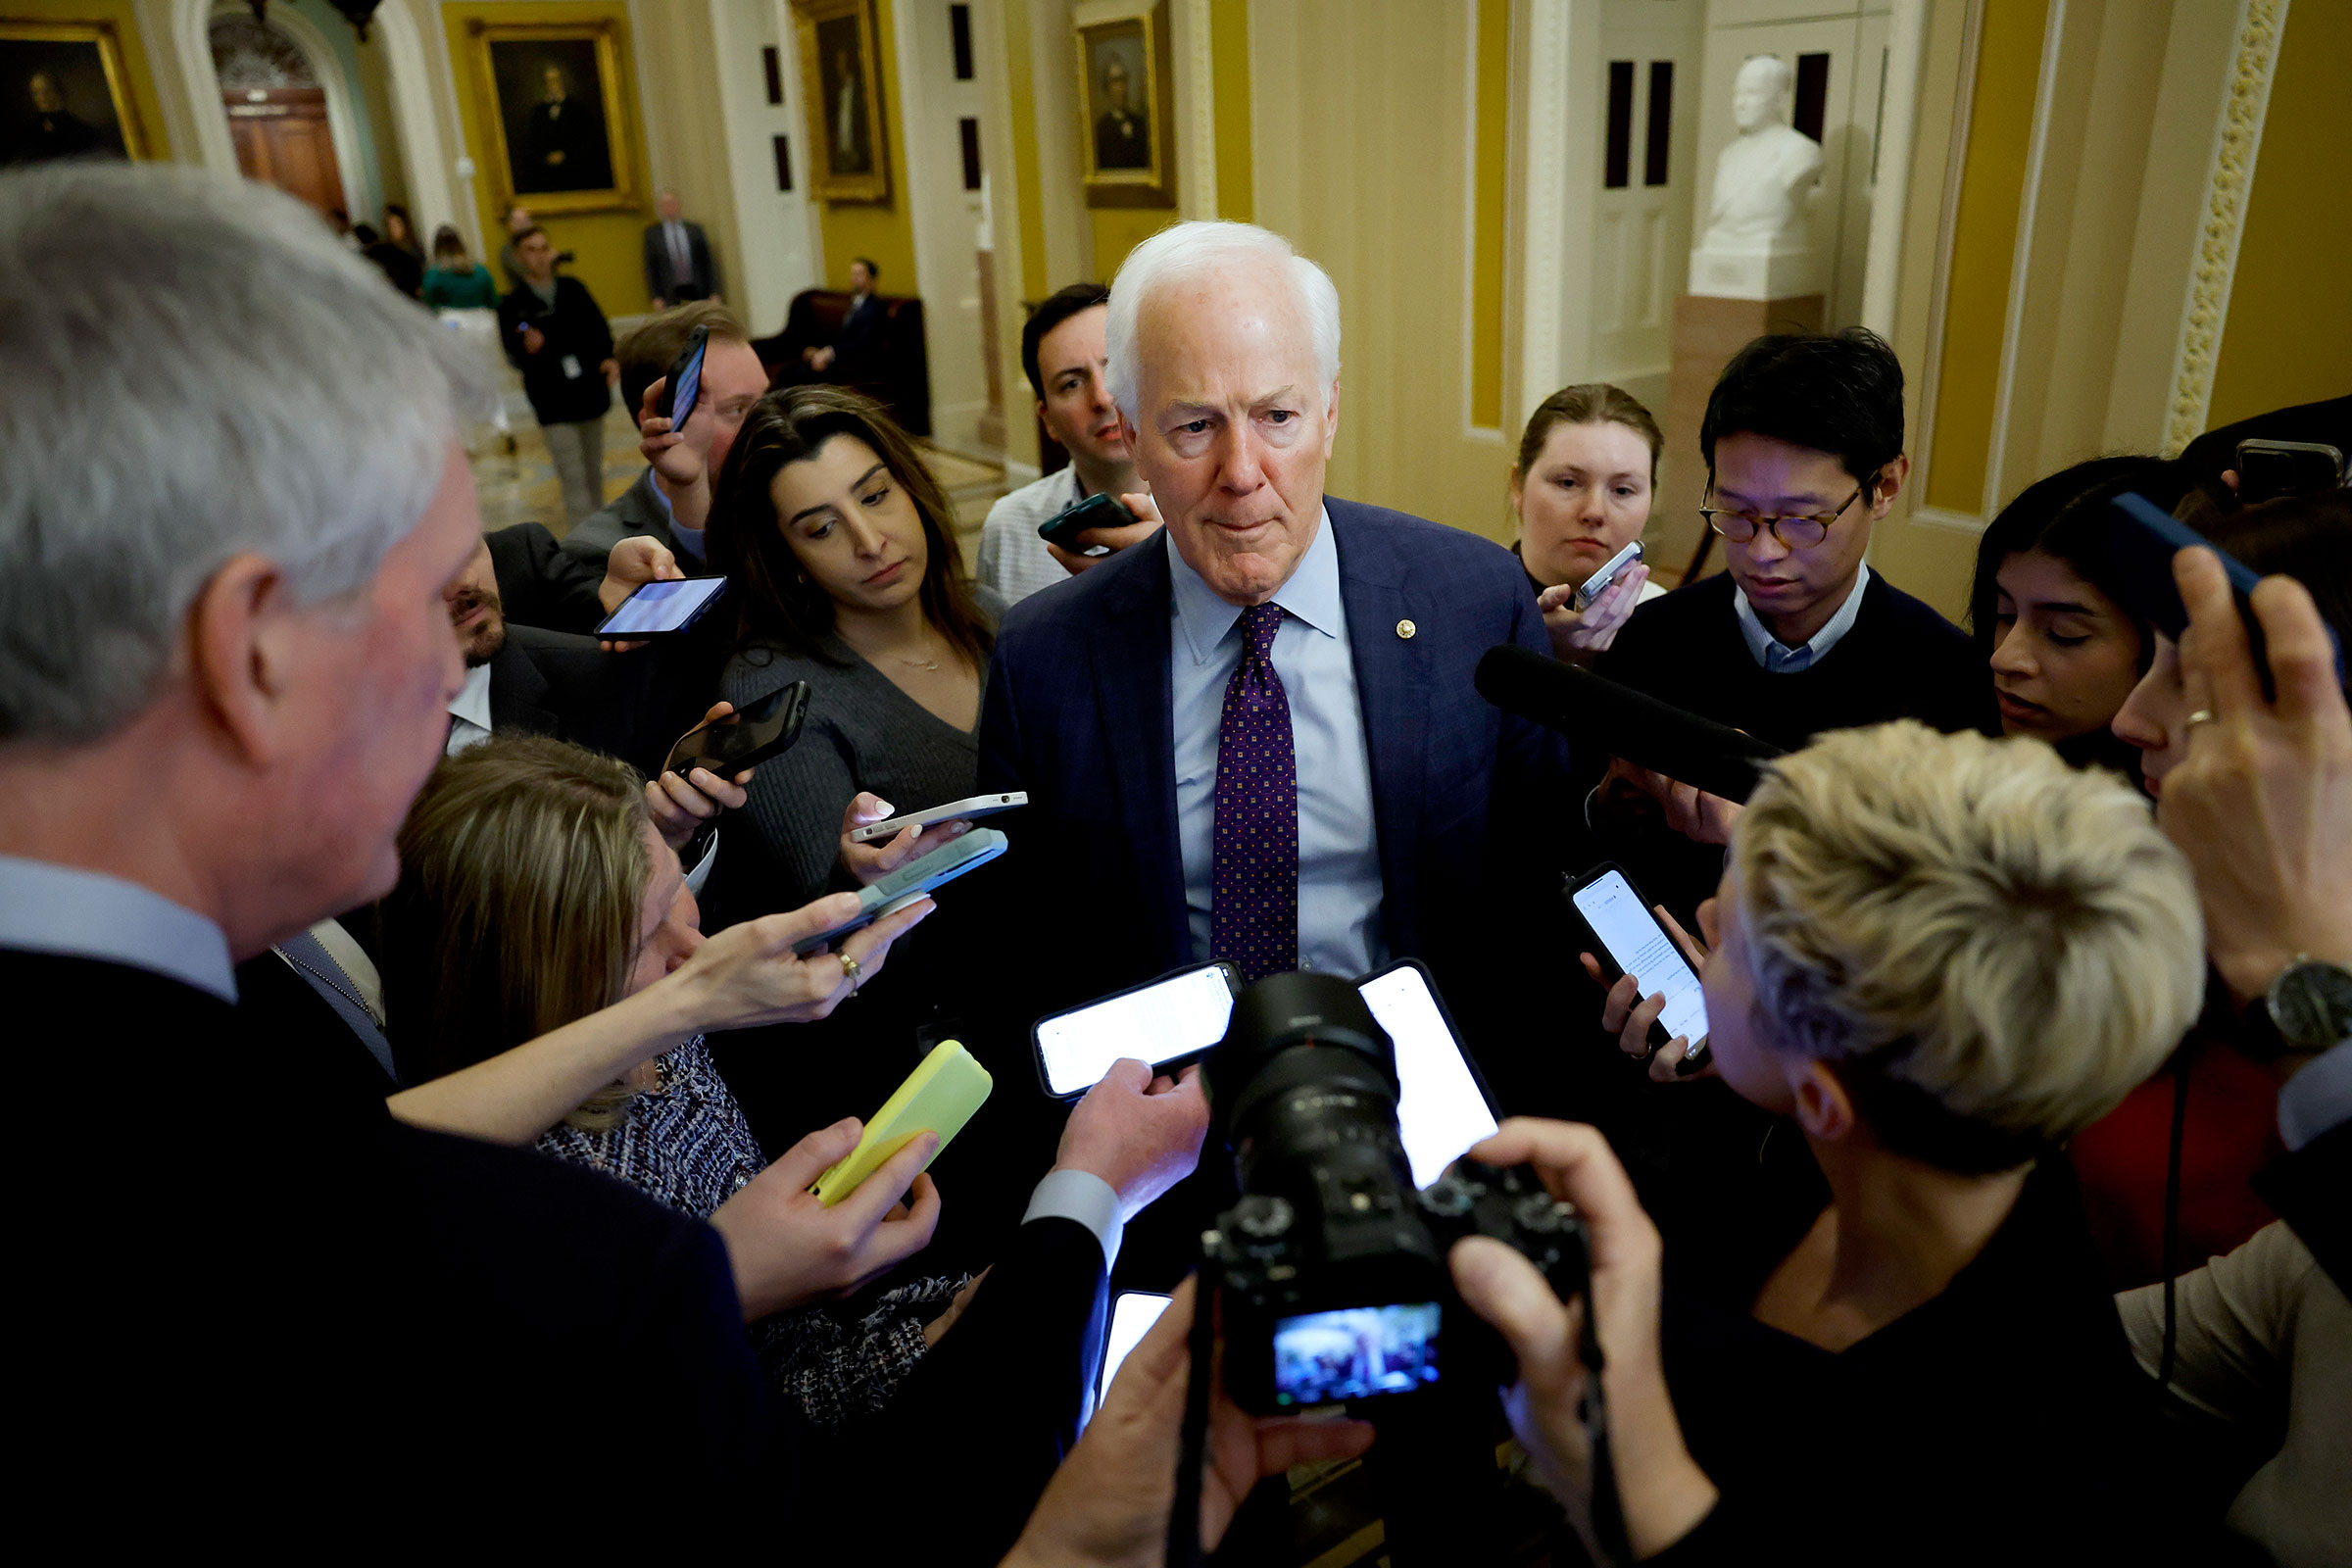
(1085, 1198)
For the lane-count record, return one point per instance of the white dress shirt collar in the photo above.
(64, 909)
(1773, 655)
(1312, 595)
(469, 712)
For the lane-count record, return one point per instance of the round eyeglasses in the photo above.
(1797, 533)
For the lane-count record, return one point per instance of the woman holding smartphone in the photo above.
(1582, 489)
(845, 573)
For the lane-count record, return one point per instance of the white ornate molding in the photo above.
(1196, 185)
(2228, 180)
(1545, 167)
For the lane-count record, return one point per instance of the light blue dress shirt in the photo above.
(1338, 848)
(688, 540)
(1777, 658)
(89, 915)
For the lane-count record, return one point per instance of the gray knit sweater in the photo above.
(861, 733)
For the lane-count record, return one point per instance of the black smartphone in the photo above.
(685, 380)
(1628, 938)
(2268, 469)
(745, 738)
(1095, 512)
(664, 608)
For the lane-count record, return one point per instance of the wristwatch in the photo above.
(2309, 1005)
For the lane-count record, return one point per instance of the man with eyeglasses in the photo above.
(1804, 438)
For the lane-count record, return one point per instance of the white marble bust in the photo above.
(1764, 175)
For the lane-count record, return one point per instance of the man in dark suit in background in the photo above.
(1257, 737)
(678, 264)
(843, 361)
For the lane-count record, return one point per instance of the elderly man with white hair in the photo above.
(1257, 737)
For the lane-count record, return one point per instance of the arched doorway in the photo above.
(279, 122)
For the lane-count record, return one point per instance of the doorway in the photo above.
(280, 120)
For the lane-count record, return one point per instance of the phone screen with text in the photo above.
(1638, 945)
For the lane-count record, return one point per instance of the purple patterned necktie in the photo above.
(1254, 881)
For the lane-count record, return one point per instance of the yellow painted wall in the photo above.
(1229, 58)
(882, 232)
(1487, 193)
(2000, 126)
(139, 72)
(2287, 338)
(1020, 66)
(607, 247)
(1121, 229)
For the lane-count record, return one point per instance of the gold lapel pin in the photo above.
(1406, 630)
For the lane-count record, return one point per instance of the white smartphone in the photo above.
(1441, 1108)
(1633, 942)
(1132, 1315)
(1598, 583)
(1162, 1021)
(973, 806)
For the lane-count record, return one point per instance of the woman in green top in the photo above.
(453, 283)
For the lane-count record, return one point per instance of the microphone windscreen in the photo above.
(1596, 712)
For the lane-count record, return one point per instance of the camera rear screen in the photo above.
(1640, 945)
(1155, 1024)
(1355, 1352)
(1440, 1111)
(661, 606)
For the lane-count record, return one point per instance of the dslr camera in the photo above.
(1333, 1268)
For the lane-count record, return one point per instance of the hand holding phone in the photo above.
(731, 743)
(1642, 944)
(683, 385)
(2268, 469)
(912, 881)
(787, 1249)
(662, 609)
(937, 1098)
(1095, 512)
(1597, 585)
(969, 808)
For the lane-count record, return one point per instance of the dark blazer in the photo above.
(662, 280)
(250, 1268)
(574, 327)
(636, 510)
(541, 583)
(1078, 714)
(633, 705)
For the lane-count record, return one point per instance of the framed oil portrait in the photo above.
(1127, 142)
(554, 107)
(63, 93)
(849, 159)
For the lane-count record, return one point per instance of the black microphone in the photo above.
(1591, 710)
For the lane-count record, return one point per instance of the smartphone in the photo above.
(1167, 1022)
(684, 383)
(745, 738)
(662, 609)
(954, 811)
(2268, 469)
(913, 880)
(1598, 583)
(1095, 512)
(1628, 940)
(1442, 1106)
(1132, 1315)
(939, 1097)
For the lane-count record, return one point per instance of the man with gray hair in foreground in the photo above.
(223, 552)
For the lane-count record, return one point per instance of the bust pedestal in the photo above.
(1766, 275)
(1708, 329)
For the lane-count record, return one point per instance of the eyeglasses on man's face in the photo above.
(1796, 533)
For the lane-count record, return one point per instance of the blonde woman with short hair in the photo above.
(1934, 959)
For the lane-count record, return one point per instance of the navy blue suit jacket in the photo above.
(1078, 714)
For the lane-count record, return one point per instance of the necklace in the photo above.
(916, 663)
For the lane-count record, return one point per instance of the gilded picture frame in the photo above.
(554, 147)
(841, 97)
(83, 85)
(1126, 103)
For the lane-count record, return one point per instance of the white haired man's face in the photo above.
(1234, 427)
(1757, 93)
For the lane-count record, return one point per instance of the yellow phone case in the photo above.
(940, 1096)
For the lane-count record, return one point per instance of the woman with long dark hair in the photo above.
(844, 573)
